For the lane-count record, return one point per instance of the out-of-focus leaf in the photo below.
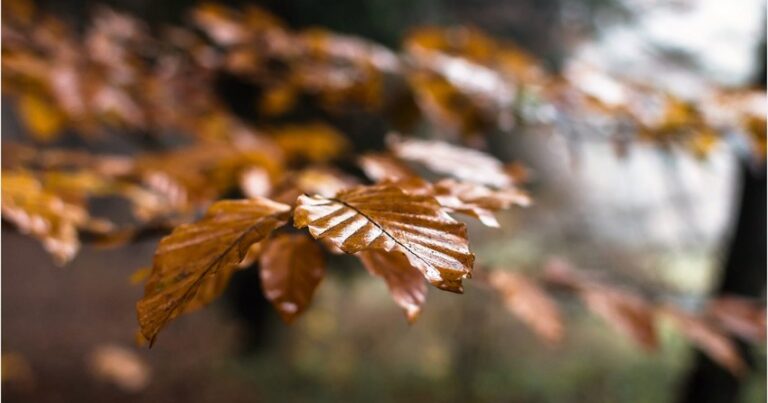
(717, 345)
(17, 155)
(741, 316)
(463, 163)
(626, 312)
(406, 284)
(319, 180)
(15, 367)
(120, 366)
(255, 182)
(530, 303)
(381, 167)
(477, 200)
(445, 106)
(140, 275)
(43, 120)
(191, 176)
(292, 266)
(278, 100)
(42, 214)
(316, 142)
(193, 264)
(384, 217)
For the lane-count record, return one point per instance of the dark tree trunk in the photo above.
(743, 274)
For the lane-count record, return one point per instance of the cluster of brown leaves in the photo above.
(465, 83)
(118, 77)
(400, 228)
(630, 313)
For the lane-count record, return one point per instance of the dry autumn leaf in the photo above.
(405, 282)
(463, 163)
(740, 316)
(530, 303)
(120, 366)
(381, 167)
(193, 264)
(717, 345)
(383, 217)
(41, 117)
(476, 200)
(292, 266)
(316, 142)
(627, 312)
(42, 214)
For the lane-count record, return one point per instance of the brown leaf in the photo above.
(530, 303)
(477, 200)
(626, 312)
(384, 217)
(316, 142)
(191, 176)
(717, 345)
(741, 316)
(292, 266)
(193, 264)
(318, 180)
(629, 313)
(42, 214)
(120, 366)
(381, 167)
(405, 282)
(463, 163)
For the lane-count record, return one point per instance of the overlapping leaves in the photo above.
(192, 263)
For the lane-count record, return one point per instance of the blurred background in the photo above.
(662, 220)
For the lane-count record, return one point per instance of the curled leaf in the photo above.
(292, 266)
(478, 201)
(405, 282)
(384, 217)
(193, 264)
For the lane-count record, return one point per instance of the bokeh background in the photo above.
(665, 221)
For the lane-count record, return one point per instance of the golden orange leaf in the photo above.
(316, 142)
(405, 282)
(530, 303)
(41, 117)
(193, 264)
(292, 266)
(42, 214)
(384, 217)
